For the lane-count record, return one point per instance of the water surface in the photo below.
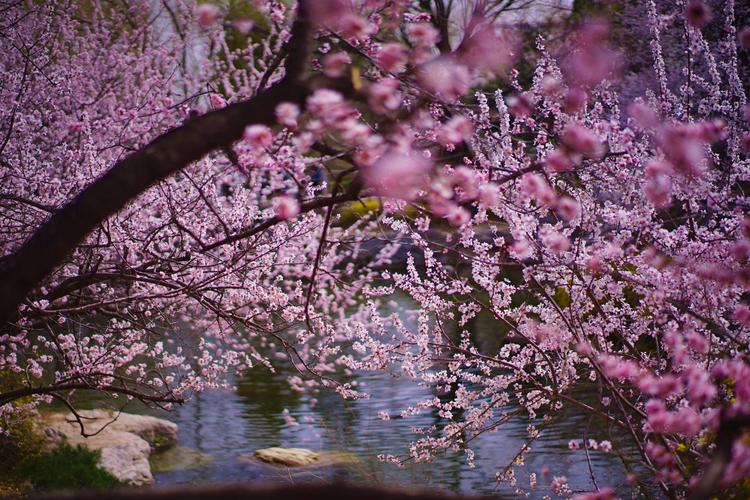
(228, 424)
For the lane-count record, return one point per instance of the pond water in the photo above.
(218, 430)
(224, 425)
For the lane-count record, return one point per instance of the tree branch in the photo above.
(21, 271)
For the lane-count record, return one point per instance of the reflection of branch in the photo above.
(21, 271)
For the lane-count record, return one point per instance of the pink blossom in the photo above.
(697, 14)
(285, 207)
(574, 444)
(536, 186)
(488, 49)
(458, 216)
(584, 348)
(713, 130)
(655, 406)
(334, 64)
(288, 419)
(556, 242)
(618, 368)
(683, 148)
(745, 142)
(658, 190)
(217, 101)
(328, 105)
(489, 195)
(439, 205)
(742, 315)
(398, 175)
(551, 86)
(258, 136)
(354, 27)
(684, 421)
(559, 485)
(206, 14)
(658, 417)
(384, 96)
(745, 227)
(582, 140)
(392, 57)
(741, 250)
(445, 78)
(662, 386)
(698, 385)
(568, 208)
(744, 37)
(655, 168)
(643, 116)
(369, 151)
(591, 59)
(287, 114)
(575, 100)
(243, 26)
(323, 100)
(657, 299)
(328, 11)
(458, 128)
(697, 342)
(521, 249)
(465, 178)
(558, 161)
(520, 105)
(354, 132)
(422, 34)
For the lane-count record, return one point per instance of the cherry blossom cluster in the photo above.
(446, 160)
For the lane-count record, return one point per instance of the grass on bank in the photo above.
(67, 467)
(27, 465)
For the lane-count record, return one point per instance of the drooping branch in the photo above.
(22, 270)
(10, 396)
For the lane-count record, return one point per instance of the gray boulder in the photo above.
(124, 440)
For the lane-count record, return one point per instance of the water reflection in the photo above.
(227, 424)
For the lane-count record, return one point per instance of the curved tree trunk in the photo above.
(21, 271)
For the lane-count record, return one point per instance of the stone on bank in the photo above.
(124, 440)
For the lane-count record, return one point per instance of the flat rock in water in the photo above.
(290, 457)
(124, 440)
(301, 457)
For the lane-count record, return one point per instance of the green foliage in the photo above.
(67, 467)
(562, 297)
(352, 211)
(19, 438)
(26, 466)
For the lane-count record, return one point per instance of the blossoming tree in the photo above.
(186, 188)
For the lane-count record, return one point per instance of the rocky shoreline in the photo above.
(124, 440)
